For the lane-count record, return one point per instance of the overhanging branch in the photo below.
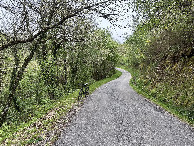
(46, 29)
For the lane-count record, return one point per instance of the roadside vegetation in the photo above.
(159, 55)
(54, 82)
(50, 118)
(48, 49)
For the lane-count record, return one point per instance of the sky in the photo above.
(119, 33)
(121, 28)
(123, 25)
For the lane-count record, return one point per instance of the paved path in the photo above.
(115, 115)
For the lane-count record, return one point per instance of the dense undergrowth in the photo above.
(48, 50)
(55, 69)
(45, 119)
(47, 73)
(160, 56)
(159, 96)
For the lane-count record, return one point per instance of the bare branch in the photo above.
(7, 8)
(46, 29)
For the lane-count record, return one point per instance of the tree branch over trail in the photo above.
(39, 34)
(46, 29)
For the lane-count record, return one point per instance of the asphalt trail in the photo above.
(115, 115)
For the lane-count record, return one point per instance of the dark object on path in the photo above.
(115, 115)
(84, 91)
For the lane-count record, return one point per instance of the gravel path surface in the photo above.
(115, 115)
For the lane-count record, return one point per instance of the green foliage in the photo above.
(106, 47)
(47, 116)
(161, 51)
(159, 95)
(55, 70)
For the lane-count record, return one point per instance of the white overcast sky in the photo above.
(119, 33)
(123, 27)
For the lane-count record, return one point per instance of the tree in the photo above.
(31, 28)
(161, 51)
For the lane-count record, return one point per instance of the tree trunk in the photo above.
(16, 77)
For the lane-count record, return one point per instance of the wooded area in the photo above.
(160, 52)
(49, 48)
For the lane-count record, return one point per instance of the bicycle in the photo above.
(84, 91)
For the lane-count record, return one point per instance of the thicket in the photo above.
(160, 52)
(48, 49)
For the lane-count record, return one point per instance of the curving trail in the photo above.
(115, 115)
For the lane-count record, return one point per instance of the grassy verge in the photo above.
(178, 111)
(48, 119)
